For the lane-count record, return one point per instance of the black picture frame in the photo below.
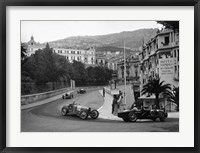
(5, 3)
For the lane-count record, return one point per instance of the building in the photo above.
(132, 68)
(160, 58)
(85, 56)
(32, 46)
(101, 59)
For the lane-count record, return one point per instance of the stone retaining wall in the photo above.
(27, 99)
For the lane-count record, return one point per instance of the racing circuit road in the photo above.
(47, 118)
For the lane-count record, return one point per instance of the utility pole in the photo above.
(125, 73)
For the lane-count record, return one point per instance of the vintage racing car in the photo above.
(68, 95)
(81, 111)
(135, 113)
(81, 91)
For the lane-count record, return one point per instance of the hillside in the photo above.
(110, 42)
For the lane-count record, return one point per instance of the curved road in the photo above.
(47, 118)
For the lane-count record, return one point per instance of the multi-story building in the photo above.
(132, 68)
(32, 46)
(101, 59)
(84, 56)
(160, 57)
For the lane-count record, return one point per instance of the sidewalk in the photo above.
(105, 111)
(41, 102)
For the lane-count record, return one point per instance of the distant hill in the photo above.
(110, 42)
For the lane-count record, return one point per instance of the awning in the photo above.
(147, 97)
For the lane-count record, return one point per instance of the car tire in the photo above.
(132, 117)
(83, 115)
(64, 111)
(63, 97)
(162, 117)
(125, 119)
(94, 114)
(154, 119)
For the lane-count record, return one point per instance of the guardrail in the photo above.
(27, 99)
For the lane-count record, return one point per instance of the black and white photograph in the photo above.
(99, 75)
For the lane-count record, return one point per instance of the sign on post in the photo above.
(166, 70)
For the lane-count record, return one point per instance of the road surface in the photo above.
(47, 118)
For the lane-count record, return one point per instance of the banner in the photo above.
(166, 69)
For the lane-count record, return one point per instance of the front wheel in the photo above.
(83, 115)
(94, 114)
(64, 111)
(125, 119)
(132, 117)
(154, 119)
(162, 117)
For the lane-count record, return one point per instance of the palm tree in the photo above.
(174, 96)
(156, 87)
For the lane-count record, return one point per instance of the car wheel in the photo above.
(162, 117)
(63, 97)
(94, 114)
(83, 115)
(125, 119)
(154, 119)
(132, 117)
(64, 111)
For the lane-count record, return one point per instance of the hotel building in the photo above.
(85, 56)
(160, 58)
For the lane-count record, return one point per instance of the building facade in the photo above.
(32, 46)
(160, 58)
(132, 69)
(84, 56)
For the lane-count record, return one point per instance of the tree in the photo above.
(170, 24)
(23, 51)
(156, 87)
(174, 96)
(79, 73)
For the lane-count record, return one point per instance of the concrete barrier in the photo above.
(107, 90)
(27, 99)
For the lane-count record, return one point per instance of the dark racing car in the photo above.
(67, 95)
(81, 91)
(135, 113)
(77, 110)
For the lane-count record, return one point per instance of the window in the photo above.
(175, 68)
(167, 40)
(174, 53)
(178, 54)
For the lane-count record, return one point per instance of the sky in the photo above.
(46, 31)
